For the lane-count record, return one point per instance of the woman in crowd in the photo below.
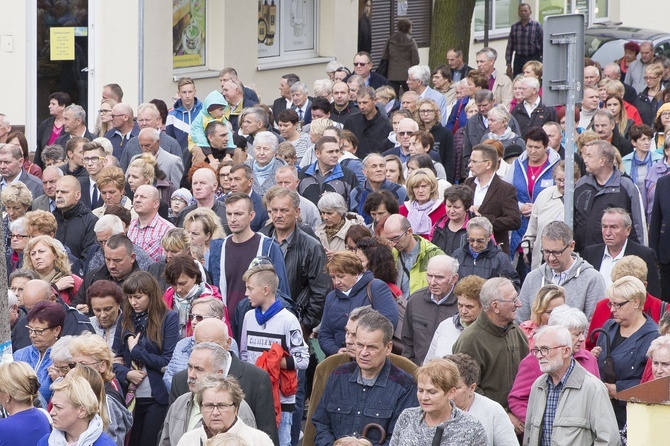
(650, 99)
(104, 122)
(481, 256)
(111, 183)
(19, 139)
(378, 258)
(529, 368)
(437, 384)
(52, 127)
(223, 174)
(264, 165)
(92, 351)
(184, 276)
(499, 128)
(402, 53)
(474, 81)
(354, 234)
(16, 198)
(94, 379)
(18, 279)
(387, 98)
(379, 205)
(614, 103)
(61, 358)
(395, 171)
(449, 232)
(45, 322)
(177, 241)
(316, 129)
(421, 143)
(494, 419)
(548, 207)
(19, 389)
(144, 170)
(424, 208)
(469, 306)
(219, 398)
(429, 119)
(336, 222)
(547, 298)
(517, 91)
(144, 346)
(289, 128)
(350, 281)
(629, 334)
(661, 125)
(204, 226)
(75, 414)
(659, 169)
(47, 257)
(443, 83)
(18, 230)
(640, 161)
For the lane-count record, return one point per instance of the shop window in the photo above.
(287, 29)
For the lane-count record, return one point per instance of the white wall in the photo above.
(13, 76)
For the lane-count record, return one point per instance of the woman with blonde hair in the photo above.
(395, 171)
(175, 242)
(97, 385)
(111, 182)
(144, 170)
(316, 129)
(203, 225)
(387, 97)
(104, 121)
(429, 119)
(47, 257)
(615, 104)
(19, 388)
(16, 198)
(75, 414)
(423, 209)
(547, 298)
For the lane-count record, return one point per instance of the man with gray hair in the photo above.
(256, 120)
(287, 176)
(583, 284)
(604, 187)
(429, 306)
(124, 128)
(635, 73)
(233, 92)
(585, 400)
(499, 83)
(5, 128)
(613, 71)
(301, 102)
(495, 342)
(370, 127)
(47, 202)
(607, 129)
(591, 76)
(74, 124)
(148, 228)
(374, 169)
(418, 81)
(531, 112)
(171, 165)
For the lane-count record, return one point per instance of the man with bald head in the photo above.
(203, 186)
(124, 128)
(75, 221)
(254, 381)
(406, 127)
(41, 291)
(170, 164)
(148, 229)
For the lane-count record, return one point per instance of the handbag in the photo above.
(383, 68)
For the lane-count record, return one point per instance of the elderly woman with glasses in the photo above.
(529, 368)
(424, 208)
(481, 257)
(19, 237)
(45, 323)
(16, 198)
(61, 358)
(219, 398)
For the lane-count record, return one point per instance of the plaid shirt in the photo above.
(149, 237)
(525, 40)
(553, 396)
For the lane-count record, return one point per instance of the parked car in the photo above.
(604, 43)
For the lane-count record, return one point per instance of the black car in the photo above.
(604, 43)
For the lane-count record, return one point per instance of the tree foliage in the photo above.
(451, 24)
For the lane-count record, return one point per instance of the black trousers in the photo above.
(664, 270)
(520, 61)
(148, 422)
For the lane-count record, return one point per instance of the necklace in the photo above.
(534, 170)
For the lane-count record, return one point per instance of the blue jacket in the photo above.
(103, 440)
(461, 117)
(518, 178)
(341, 180)
(347, 407)
(178, 124)
(267, 248)
(32, 356)
(339, 305)
(154, 357)
(360, 194)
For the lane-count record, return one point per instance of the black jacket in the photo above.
(491, 262)
(308, 281)
(622, 144)
(647, 108)
(101, 273)
(255, 383)
(342, 116)
(540, 116)
(75, 229)
(86, 194)
(444, 145)
(372, 134)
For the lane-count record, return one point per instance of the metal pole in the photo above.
(568, 196)
(487, 21)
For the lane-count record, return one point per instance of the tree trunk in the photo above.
(450, 28)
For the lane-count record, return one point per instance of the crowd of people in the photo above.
(382, 261)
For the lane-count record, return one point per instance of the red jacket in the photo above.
(439, 211)
(282, 380)
(67, 294)
(652, 308)
(632, 113)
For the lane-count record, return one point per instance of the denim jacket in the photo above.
(347, 406)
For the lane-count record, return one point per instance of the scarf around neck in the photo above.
(183, 304)
(87, 438)
(333, 230)
(262, 318)
(262, 173)
(636, 163)
(139, 321)
(418, 216)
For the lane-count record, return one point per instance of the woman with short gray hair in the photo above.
(264, 164)
(499, 128)
(336, 222)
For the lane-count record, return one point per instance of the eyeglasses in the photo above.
(477, 161)
(426, 112)
(102, 112)
(92, 159)
(397, 237)
(510, 301)
(548, 253)
(650, 78)
(63, 369)
(477, 240)
(199, 317)
(616, 305)
(360, 64)
(665, 115)
(36, 331)
(19, 236)
(405, 133)
(218, 407)
(351, 248)
(543, 351)
(72, 365)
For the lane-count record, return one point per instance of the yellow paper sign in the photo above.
(62, 43)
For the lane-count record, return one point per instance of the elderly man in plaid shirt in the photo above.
(149, 228)
(567, 405)
(524, 41)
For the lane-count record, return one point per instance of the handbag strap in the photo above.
(437, 438)
(368, 290)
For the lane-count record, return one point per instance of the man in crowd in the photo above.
(255, 120)
(112, 91)
(606, 127)
(187, 107)
(429, 306)
(94, 160)
(342, 106)
(171, 165)
(524, 42)
(287, 176)
(148, 228)
(5, 128)
(242, 181)
(412, 253)
(635, 74)
(583, 284)
(499, 83)
(613, 71)
(591, 76)
(283, 102)
(230, 73)
(75, 221)
(616, 225)
(363, 68)
(495, 342)
(124, 128)
(204, 185)
(370, 127)
(74, 124)
(604, 187)
(47, 201)
(11, 169)
(567, 390)
(374, 169)
(233, 93)
(554, 132)
(590, 105)
(531, 112)
(418, 81)
(301, 103)
(75, 157)
(458, 68)
(372, 377)
(406, 128)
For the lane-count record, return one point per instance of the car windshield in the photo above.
(603, 50)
